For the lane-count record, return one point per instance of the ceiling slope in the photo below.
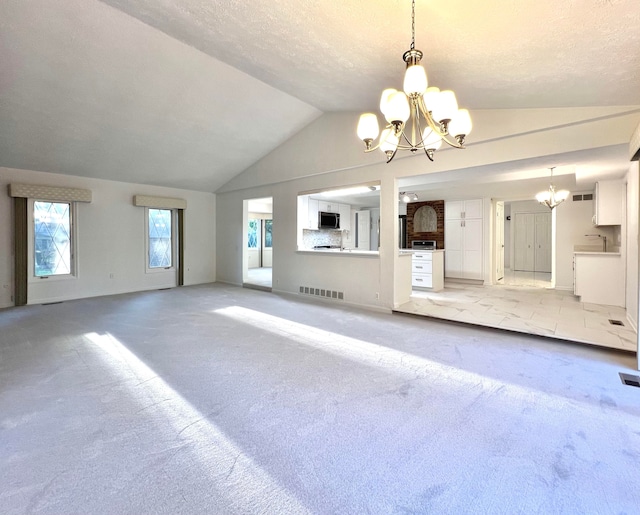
(88, 90)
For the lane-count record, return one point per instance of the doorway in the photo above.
(526, 251)
(258, 247)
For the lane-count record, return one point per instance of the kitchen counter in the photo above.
(341, 252)
(592, 253)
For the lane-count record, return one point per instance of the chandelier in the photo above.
(551, 198)
(418, 118)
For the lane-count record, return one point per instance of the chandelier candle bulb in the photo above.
(460, 124)
(446, 108)
(398, 108)
(368, 128)
(389, 141)
(415, 80)
(418, 110)
(384, 99)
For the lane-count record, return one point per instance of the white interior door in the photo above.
(499, 228)
(543, 242)
(363, 227)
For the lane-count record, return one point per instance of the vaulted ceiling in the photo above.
(189, 93)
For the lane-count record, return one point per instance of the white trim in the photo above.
(73, 233)
(174, 244)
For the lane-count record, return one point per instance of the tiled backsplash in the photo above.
(312, 238)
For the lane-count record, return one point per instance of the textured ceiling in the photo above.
(494, 53)
(187, 93)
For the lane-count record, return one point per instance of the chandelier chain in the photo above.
(413, 24)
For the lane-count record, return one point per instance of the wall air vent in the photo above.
(630, 380)
(582, 196)
(318, 292)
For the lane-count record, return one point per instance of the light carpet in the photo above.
(222, 400)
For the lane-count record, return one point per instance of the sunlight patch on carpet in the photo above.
(233, 474)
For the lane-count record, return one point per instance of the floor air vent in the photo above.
(630, 380)
(616, 322)
(319, 292)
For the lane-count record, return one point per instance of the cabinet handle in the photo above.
(418, 279)
(419, 267)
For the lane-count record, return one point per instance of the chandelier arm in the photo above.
(435, 127)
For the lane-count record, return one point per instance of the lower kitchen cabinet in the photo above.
(463, 245)
(599, 278)
(427, 269)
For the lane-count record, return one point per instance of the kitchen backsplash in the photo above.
(311, 238)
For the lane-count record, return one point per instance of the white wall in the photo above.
(633, 212)
(365, 280)
(110, 240)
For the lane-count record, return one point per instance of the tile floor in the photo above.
(522, 302)
(523, 305)
(259, 278)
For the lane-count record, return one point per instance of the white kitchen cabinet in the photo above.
(345, 216)
(427, 270)
(599, 278)
(608, 203)
(463, 239)
(313, 214)
(328, 207)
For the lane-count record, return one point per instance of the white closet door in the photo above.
(543, 242)
(524, 241)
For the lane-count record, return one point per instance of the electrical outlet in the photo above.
(377, 296)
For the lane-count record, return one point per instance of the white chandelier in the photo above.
(551, 198)
(420, 118)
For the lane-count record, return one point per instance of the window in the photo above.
(160, 238)
(52, 242)
(253, 233)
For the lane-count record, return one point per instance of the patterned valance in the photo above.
(159, 202)
(55, 193)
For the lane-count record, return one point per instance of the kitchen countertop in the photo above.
(585, 253)
(341, 252)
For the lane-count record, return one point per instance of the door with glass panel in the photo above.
(267, 243)
(254, 243)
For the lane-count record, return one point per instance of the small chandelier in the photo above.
(551, 198)
(420, 118)
(407, 196)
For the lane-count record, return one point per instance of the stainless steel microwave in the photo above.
(328, 220)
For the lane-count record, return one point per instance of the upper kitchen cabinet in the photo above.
(609, 203)
(463, 209)
(345, 216)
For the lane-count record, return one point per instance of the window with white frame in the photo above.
(53, 239)
(160, 239)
